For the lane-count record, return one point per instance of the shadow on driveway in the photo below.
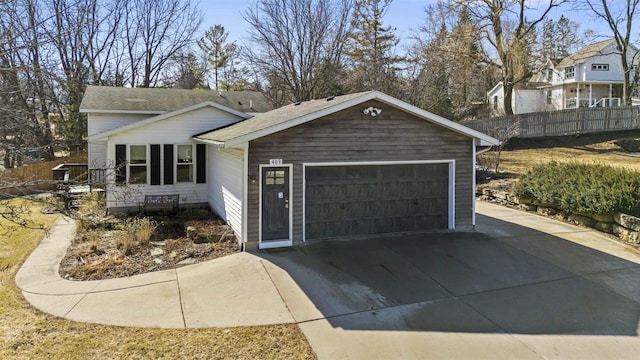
(502, 278)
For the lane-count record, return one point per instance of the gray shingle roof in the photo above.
(299, 113)
(160, 100)
(586, 52)
(276, 117)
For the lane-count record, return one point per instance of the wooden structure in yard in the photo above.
(562, 122)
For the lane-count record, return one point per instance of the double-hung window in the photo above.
(184, 165)
(137, 164)
(569, 72)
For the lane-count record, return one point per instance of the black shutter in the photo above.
(201, 163)
(168, 164)
(121, 161)
(155, 164)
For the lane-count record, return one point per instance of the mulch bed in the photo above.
(97, 253)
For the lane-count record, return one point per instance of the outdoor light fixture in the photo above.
(253, 179)
(372, 111)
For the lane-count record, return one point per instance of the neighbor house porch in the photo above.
(592, 95)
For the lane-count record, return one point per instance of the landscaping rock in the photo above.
(192, 232)
(156, 252)
(158, 261)
(604, 226)
(546, 211)
(528, 207)
(501, 195)
(626, 235)
(187, 261)
(172, 255)
(628, 221)
(582, 220)
(607, 218)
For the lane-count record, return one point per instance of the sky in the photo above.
(406, 16)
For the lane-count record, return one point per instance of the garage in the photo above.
(350, 166)
(345, 200)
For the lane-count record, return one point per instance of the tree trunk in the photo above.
(508, 93)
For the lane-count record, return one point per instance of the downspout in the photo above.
(473, 193)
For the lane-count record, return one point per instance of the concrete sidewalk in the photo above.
(217, 293)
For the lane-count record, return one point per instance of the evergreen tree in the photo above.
(218, 51)
(370, 49)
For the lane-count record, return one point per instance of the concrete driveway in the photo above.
(522, 286)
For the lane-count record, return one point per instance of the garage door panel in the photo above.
(370, 199)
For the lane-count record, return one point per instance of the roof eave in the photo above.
(140, 112)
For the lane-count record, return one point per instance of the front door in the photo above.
(275, 203)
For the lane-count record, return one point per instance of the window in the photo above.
(274, 177)
(599, 67)
(495, 102)
(569, 72)
(184, 166)
(549, 97)
(138, 164)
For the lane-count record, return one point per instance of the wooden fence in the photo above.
(38, 174)
(563, 122)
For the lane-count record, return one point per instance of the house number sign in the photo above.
(275, 161)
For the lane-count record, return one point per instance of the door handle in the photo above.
(286, 203)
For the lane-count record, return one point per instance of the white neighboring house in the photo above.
(525, 98)
(591, 77)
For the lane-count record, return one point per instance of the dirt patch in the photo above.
(110, 247)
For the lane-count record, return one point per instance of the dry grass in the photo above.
(521, 160)
(26, 333)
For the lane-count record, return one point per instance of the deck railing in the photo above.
(77, 173)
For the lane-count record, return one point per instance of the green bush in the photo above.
(590, 189)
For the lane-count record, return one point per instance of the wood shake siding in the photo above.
(351, 136)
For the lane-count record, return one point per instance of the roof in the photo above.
(586, 52)
(104, 99)
(167, 115)
(300, 113)
(531, 85)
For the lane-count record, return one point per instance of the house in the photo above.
(345, 166)
(525, 98)
(591, 77)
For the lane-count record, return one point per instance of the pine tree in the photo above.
(370, 48)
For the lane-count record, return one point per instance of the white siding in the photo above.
(174, 130)
(528, 101)
(225, 185)
(99, 123)
(97, 154)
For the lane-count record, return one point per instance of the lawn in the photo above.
(589, 149)
(27, 333)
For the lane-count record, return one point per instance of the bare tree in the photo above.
(620, 21)
(508, 28)
(155, 31)
(298, 45)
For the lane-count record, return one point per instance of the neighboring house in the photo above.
(591, 77)
(525, 98)
(346, 166)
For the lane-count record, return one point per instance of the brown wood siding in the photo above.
(352, 136)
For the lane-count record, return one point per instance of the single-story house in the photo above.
(346, 166)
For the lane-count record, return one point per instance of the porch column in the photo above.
(610, 94)
(590, 95)
(577, 96)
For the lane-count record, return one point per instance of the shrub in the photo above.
(589, 189)
(136, 231)
(144, 229)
